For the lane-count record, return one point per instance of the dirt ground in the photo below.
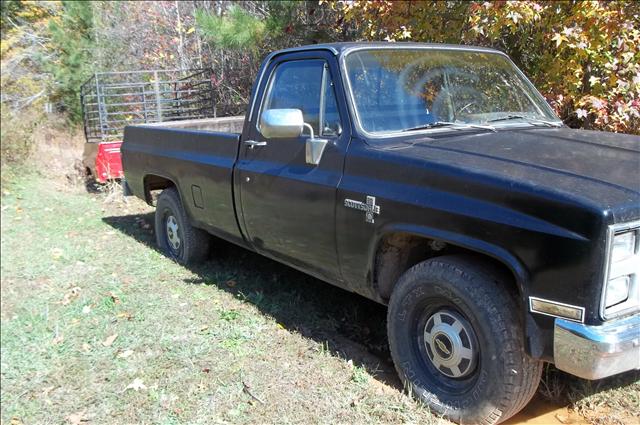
(100, 327)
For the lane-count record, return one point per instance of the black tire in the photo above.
(192, 244)
(498, 379)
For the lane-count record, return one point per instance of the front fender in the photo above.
(471, 244)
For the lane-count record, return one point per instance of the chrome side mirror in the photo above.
(289, 123)
(281, 123)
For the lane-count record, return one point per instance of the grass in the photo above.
(99, 326)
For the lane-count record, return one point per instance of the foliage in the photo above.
(164, 38)
(583, 55)
(24, 35)
(239, 34)
(435, 21)
(72, 46)
(16, 134)
(237, 30)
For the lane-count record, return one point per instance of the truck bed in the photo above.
(198, 156)
(222, 124)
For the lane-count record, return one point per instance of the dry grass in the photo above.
(98, 325)
(615, 400)
(241, 339)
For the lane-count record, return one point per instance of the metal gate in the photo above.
(113, 100)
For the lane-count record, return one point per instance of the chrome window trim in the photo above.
(267, 63)
(396, 46)
(613, 230)
(582, 309)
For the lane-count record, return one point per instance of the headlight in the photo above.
(621, 292)
(623, 246)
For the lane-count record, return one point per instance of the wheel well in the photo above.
(154, 183)
(398, 252)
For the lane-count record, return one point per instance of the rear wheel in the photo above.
(175, 235)
(457, 343)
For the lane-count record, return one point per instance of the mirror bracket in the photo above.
(314, 149)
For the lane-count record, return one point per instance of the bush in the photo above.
(17, 134)
(584, 56)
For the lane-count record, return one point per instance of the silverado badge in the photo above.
(370, 208)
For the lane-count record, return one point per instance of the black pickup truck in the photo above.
(434, 179)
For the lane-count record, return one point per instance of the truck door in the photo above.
(288, 205)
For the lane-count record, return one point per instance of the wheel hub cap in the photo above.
(450, 344)
(172, 233)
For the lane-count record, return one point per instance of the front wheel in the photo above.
(457, 343)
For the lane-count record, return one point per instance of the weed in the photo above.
(229, 315)
(360, 375)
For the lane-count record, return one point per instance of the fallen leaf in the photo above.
(107, 342)
(72, 294)
(86, 347)
(562, 418)
(47, 390)
(15, 421)
(77, 418)
(57, 340)
(136, 385)
(125, 354)
(206, 370)
(56, 253)
(124, 315)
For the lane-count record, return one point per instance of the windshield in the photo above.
(397, 90)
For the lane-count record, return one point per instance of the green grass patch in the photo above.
(97, 324)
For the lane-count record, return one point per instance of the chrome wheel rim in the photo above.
(173, 236)
(451, 344)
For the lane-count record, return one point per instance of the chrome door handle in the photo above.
(252, 143)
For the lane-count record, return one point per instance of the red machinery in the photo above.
(103, 160)
(113, 100)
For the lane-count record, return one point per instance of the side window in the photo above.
(305, 85)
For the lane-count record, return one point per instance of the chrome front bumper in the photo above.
(594, 352)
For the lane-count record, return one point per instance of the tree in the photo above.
(23, 85)
(240, 34)
(583, 55)
(72, 45)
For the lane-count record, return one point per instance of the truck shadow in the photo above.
(345, 324)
